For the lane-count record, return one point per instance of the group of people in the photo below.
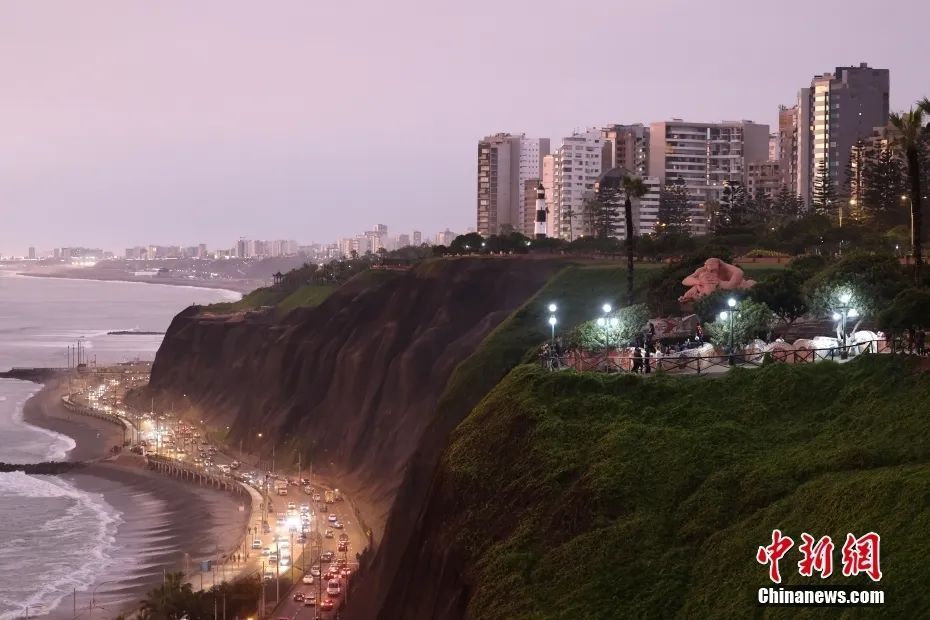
(914, 341)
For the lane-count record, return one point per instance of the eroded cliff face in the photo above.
(357, 381)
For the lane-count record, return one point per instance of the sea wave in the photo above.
(84, 534)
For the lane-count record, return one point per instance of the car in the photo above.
(266, 551)
(338, 525)
(332, 518)
(327, 556)
(343, 537)
(345, 572)
(328, 533)
(330, 575)
(315, 571)
(305, 508)
(317, 497)
(298, 597)
(268, 576)
(327, 605)
(310, 600)
(307, 580)
(343, 546)
(256, 544)
(333, 588)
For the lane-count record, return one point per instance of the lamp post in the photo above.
(605, 323)
(552, 322)
(727, 315)
(842, 314)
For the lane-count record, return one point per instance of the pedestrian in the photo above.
(637, 360)
(652, 330)
(646, 367)
(699, 333)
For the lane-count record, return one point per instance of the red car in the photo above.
(327, 605)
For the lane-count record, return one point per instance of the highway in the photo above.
(272, 545)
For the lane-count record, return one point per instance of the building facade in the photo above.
(706, 156)
(626, 146)
(765, 177)
(505, 163)
(836, 111)
(576, 166)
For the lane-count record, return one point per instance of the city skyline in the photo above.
(129, 123)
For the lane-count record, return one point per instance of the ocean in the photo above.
(57, 539)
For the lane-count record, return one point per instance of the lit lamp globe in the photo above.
(724, 315)
(836, 316)
(606, 308)
(845, 297)
(552, 321)
(601, 322)
(552, 308)
(731, 302)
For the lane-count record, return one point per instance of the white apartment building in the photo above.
(576, 167)
(705, 156)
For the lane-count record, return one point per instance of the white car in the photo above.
(315, 571)
(308, 579)
(256, 544)
(331, 518)
(333, 588)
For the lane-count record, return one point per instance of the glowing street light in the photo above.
(728, 316)
(606, 308)
(552, 308)
(552, 322)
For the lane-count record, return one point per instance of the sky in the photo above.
(126, 123)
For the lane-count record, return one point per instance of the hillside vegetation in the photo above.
(596, 496)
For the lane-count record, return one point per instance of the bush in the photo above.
(751, 320)
(870, 280)
(631, 321)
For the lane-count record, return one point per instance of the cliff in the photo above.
(354, 382)
(617, 496)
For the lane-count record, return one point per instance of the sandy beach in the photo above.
(165, 524)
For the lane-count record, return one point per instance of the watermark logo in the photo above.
(859, 555)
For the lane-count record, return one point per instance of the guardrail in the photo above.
(614, 361)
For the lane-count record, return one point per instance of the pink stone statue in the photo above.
(713, 275)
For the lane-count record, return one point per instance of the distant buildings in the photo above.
(764, 178)
(626, 146)
(32, 253)
(505, 163)
(835, 111)
(445, 237)
(576, 166)
(706, 156)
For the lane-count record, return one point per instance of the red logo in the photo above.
(859, 555)
(773, 553)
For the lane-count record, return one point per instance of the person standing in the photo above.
(637, 360)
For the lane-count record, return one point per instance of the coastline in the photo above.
(164, 524)
(235, 287)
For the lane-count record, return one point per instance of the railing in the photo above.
(614, 361)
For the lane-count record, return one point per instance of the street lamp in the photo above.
(552, 322)
(728, 316)
(553, 308)
(843, 313)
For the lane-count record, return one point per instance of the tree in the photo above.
(870, 280)
(760, 208)
(783, 294)
(884, 182)
(464, 244)
(732, 209)
(911, 134)
(751, 320)
(625, 326)
(909, 309)
(674, 208)
(173, 600)
(633, 187)
(824, 194)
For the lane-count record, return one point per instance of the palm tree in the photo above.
(633, 187)
(911, 134)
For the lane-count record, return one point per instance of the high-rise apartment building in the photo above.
(626, 146)
(645, 210)
(765, 177)
(32, 253)
(403, 240)
(505, 163)
(788, 147)
(836, 110)
(417, 238)
(576, 166)
(548, 183)
(706, 156)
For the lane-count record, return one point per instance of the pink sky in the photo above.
(125, 123)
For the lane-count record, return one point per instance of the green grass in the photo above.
(307, 296)
(596, 496)
(265, 296)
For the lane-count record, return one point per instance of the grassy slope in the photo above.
(593, 496)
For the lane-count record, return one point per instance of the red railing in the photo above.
(616, 361)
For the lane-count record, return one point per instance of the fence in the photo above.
(617, 361)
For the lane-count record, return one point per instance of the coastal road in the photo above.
(288, 608)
